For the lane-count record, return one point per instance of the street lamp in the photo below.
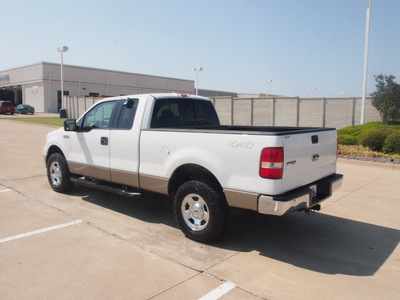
(364, 90)
(63, 112)
(267, 81)
(311, 89)
(197, 70)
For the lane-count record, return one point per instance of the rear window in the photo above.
(6, 103)
(182, 113)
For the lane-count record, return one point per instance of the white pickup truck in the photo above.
(173, 144)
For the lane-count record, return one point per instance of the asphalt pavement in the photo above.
(92, 245)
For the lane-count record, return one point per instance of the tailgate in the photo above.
(308, 157)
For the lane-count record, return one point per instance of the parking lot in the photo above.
(93, 245)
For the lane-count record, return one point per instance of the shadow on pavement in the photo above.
(318, 242)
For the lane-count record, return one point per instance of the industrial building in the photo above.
(39, 84)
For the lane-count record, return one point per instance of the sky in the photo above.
(298, 44)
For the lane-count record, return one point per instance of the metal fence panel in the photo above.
(311, 113)
(263, 111)
(224, 110)
(242, 113)
(307, 112)
(338, 112)
(286, 112)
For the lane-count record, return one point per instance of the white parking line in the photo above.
(19, 236)
(7, 190)
(219, 291)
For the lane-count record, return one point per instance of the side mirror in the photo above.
(70, 125)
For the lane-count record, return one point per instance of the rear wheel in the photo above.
(201, 212)
(58, 173)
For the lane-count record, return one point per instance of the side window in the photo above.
(127, 115)
(99, 116)
(183, 112)
(166, 114)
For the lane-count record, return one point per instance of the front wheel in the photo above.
(201, 212)
(58, 173)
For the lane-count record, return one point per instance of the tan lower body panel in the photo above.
(115, 176)
(154, 184)
(90, 171)
(241, 199)
(125, 178)
(234, 198)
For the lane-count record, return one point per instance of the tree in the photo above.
(386, 98)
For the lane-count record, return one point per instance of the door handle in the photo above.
(104, 141)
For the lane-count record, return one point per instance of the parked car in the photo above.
(24, 109)
(7, 107)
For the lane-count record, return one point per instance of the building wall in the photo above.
(24, 75)
(33, 94)
(82, 81)
(27, 80)
(40, 83)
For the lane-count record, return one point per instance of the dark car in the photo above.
(7, 107)
(24, 109)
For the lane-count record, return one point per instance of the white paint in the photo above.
(19, 236)
(219, 291)
(7, 190)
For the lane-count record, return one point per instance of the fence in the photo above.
(303, 112)
(271, 111)
(76, 106)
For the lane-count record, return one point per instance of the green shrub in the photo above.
(351, 130)
(346, 139)
(392, 143)
(356, 130)
(374, 139)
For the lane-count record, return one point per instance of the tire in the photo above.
(58, 173)
(201, 213)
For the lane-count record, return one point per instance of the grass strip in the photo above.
(53, 121)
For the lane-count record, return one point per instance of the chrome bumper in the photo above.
(299, 199)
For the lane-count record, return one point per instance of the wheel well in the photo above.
(192, 172)
(53, 149)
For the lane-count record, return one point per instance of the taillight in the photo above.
(271, 163)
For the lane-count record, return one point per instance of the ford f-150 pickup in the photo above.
(173, 144)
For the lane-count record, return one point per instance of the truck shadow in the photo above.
(317, 242)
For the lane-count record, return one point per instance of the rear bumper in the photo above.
(301, 198)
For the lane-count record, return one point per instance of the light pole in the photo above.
(63, 112)
(364, 91)
(267, 81)
(311, 89)
(197, 70)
